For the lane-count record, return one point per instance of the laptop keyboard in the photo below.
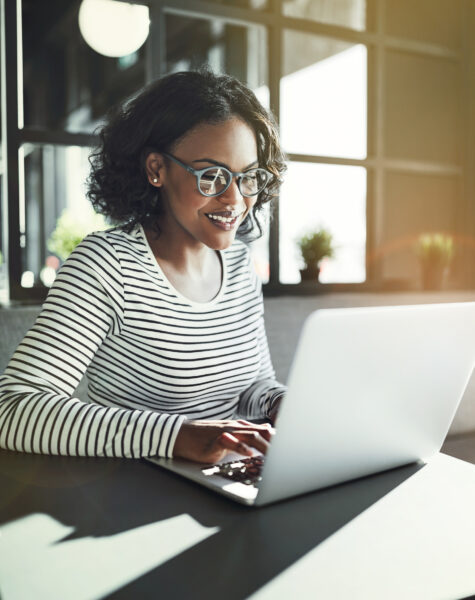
(246, 470)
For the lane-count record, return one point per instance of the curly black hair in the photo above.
(154, 120)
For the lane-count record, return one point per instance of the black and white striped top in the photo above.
(153, 358)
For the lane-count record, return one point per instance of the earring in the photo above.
(155, 180)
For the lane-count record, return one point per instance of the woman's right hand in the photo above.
(210, 441)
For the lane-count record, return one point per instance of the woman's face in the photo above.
(189, 217)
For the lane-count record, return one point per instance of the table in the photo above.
(84, 528)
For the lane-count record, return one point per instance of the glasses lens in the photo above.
(213, 181)
(253, 182)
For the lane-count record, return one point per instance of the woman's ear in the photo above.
(154, 167)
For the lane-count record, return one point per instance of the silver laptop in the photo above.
(369, 389)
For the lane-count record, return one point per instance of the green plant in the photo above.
(435, 248)
(71, 228)
(315, 246)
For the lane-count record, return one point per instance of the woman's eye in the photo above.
(212, 175)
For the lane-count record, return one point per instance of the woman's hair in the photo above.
(153, 121)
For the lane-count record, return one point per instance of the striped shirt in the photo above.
(152, 357)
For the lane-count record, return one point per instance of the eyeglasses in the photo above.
(213, 181)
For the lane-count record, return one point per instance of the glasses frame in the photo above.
(239, 175)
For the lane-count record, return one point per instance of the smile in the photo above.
(225, 220)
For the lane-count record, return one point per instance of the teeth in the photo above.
(222, 219)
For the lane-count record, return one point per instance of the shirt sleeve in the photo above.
(38, 412)
(259, 399)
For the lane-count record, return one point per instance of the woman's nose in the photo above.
(233, 194)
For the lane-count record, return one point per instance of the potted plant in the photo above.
(71, 228)
(435, 252)
(313, 248)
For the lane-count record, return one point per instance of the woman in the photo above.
(163, 312)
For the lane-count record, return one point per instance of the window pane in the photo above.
(329, 196)
(3, 266)
(67, 85)
(434, 21)
(54, 201)
(323, 96)
(423, 100)
(415, 204)
(3, 212)
(260, 247)
(347, 13)
(234, 49)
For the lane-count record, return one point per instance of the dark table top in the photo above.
(197, 544)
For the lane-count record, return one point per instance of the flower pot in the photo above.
(310, 273)
(433, 276)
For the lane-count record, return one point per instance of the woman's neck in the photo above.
(194, 260)
(196, 273)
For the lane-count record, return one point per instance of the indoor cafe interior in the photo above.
(372, 212)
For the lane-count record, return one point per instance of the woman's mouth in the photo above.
(224, 220)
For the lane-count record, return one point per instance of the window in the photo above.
(240, 50)
(323, 96)
(66, 84)
(329, 196)
(347, 13)
(54, 212)
(3, 265)
(323, 102)
(374, 100)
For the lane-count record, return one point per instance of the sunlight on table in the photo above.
(89, 567)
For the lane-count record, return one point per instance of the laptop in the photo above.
(369, 389)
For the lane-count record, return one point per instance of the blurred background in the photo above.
(375, 101)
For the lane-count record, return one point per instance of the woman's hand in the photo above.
(210, 441)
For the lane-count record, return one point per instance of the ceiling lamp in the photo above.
(113, 28)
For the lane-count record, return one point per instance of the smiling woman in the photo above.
(163, 312)
(191, 204)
